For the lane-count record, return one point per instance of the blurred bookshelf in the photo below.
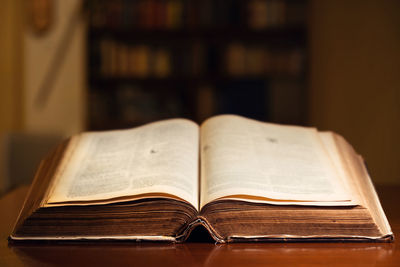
(157, 59)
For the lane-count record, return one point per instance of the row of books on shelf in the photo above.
(120, 60)
(129, 105)
(276, 100)
(175, 14)
(256, 60)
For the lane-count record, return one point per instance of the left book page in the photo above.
(158, 158)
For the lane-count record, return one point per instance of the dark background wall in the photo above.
(355, 78)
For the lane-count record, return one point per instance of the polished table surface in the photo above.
(198, 253)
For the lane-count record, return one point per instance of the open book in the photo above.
(241, 179)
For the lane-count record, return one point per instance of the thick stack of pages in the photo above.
(241, 179)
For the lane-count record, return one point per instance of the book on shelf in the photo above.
(130, 105)
(180, 14)
(241, 179)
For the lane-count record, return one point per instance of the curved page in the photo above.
(160, 157)
(241, 156)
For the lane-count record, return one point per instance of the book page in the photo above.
(241, 157)
(158, 157)
(347, 179)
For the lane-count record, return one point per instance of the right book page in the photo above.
(264, 162)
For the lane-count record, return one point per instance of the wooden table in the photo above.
(197, 253)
